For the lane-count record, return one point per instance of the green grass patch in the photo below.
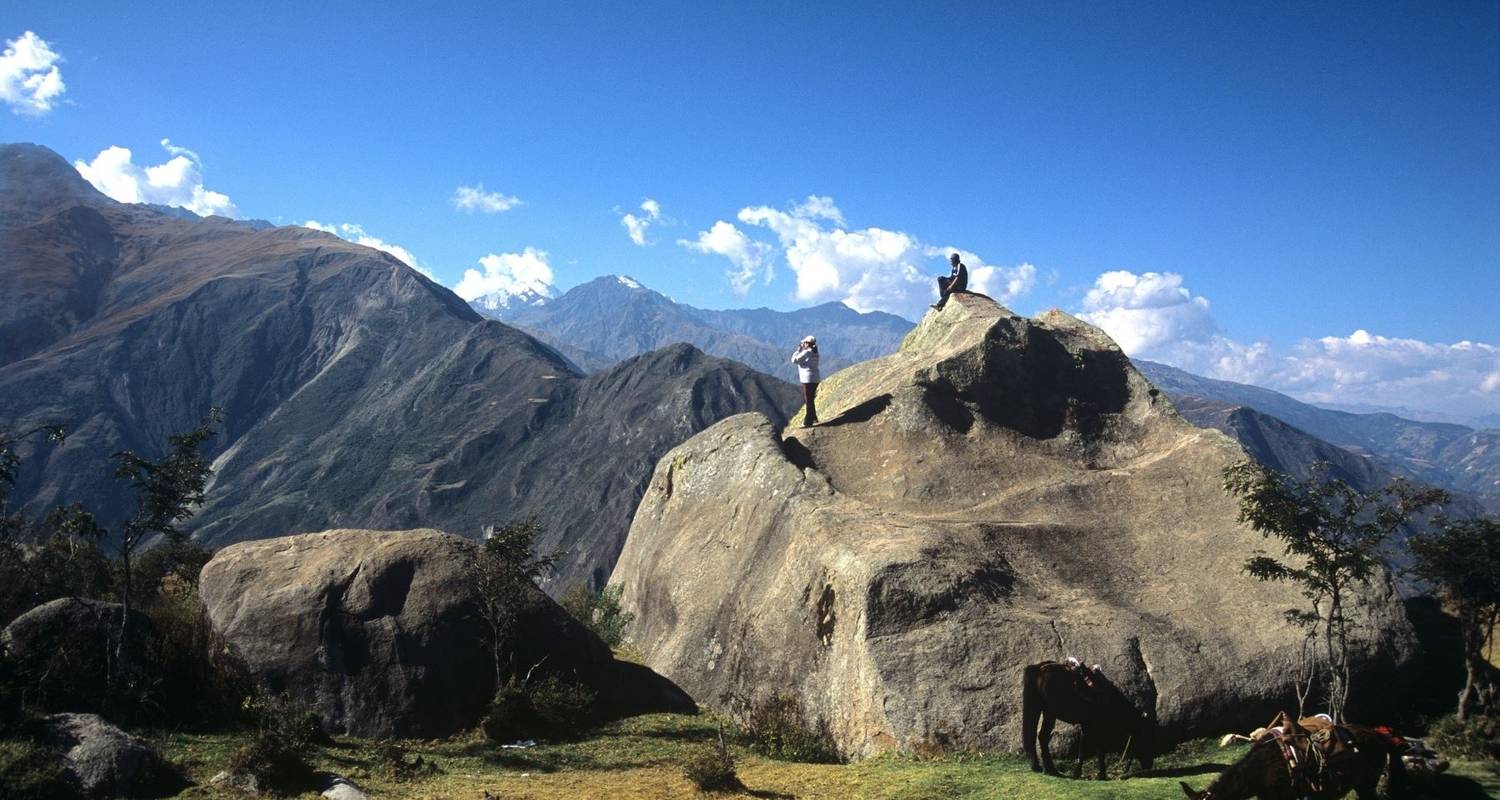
(642, 757)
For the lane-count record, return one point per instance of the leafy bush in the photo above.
(711, 768)
(1476, 738)
(200, 682)
(393, 762)
(600, 611)
(775, 728)
(274, 757)
(550, 707)
(29, 771)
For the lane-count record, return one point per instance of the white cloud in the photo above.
(475, 198)
(1004, 284)
(751, 259)
(871, 268)
(636, 226)
(1154, 316)
(357, 234)
(507, 275)
(30, 80)
(1146, 311)
(178, 182)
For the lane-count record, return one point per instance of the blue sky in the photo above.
(1307, 170)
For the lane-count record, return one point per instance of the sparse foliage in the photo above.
(1332, 538)
(547, 707)
(711, 767)
(776, 728)
(276, 755)
(600, 611)
(166, 491)
(1461, 560)
(503, 570)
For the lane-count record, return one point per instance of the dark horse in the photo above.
(1264, 772)
(1053, 691)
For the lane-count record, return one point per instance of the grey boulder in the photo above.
(998, 492)
(107, 761)
(379, 631)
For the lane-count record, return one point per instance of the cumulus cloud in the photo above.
(1002, 283)
(30, 80)
(751, 259)
(475, 198)
(508, 275)
(1154, 316)
(177, 182)
(868, 268)
(635, 226)
(1147, 311)
(357, 234)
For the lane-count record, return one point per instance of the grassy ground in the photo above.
(639, 758)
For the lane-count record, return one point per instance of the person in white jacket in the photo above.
(806, 359)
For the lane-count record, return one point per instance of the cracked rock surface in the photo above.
(1000, 491)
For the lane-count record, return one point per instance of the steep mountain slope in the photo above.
(614, 317)
(1442, 454)
(449, 451)
(356, 392)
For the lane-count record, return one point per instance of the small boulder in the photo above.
(107, 761)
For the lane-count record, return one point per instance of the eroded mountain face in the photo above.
(357, 393)
(1000, 491)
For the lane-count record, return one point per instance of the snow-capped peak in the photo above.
(627, 282)
(535, 293)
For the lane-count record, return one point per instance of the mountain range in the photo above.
(614, 317)
(356, 392)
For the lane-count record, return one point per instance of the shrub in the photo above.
(29, 771)
(274, 757)
(775, 728)
(1476, 738)
(711, 768)
(201, 683)
(600, 611)
(550, 707)
(393, 762)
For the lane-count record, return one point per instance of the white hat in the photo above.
(809, 340)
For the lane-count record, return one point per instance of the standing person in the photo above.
(955, 281)
(806, 359)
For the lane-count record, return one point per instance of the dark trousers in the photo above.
(947, 286)
(810, 397)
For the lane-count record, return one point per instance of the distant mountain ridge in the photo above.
(357, 392)
(1446, 455)
(614, 317)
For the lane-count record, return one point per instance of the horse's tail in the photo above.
(1031, 708)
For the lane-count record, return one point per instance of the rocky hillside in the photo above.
(1442, 454)
(357, 393)
(998, 492)
(614, 317)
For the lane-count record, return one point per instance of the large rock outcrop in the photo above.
(379, 631)
(998, 492)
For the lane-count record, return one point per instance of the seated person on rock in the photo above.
(955, 281)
